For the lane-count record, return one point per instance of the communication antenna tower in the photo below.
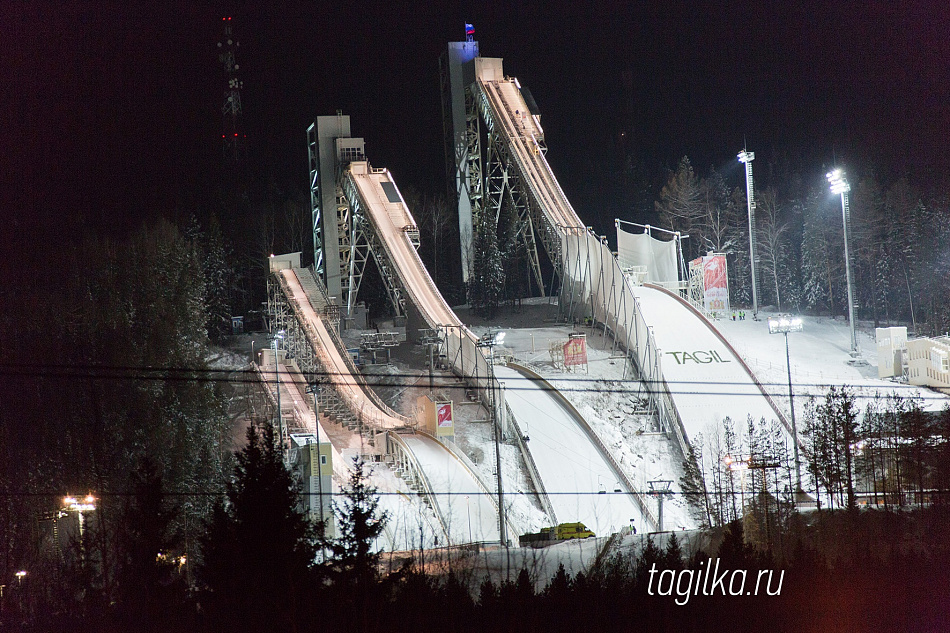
(233, 134)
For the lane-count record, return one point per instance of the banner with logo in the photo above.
(444, 414)
(715, 283)
(575, 351)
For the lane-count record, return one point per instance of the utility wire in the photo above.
(249, 376)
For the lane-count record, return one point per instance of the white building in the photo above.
(924, 362)
(928, 363)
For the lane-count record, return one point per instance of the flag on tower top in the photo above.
(469, 32)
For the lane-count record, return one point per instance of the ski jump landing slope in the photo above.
(469, 514)
(706, 378)
(574, 471)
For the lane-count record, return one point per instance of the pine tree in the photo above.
(258, 548)
(359, 521)
(693, 484)
(679, 207)
(672, 557)
(487, 275)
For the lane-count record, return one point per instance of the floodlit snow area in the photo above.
(706, 380)
(820, 357)
(522, 512)
(610, 403)
(468, 512)
(409, 519)
(575, 474)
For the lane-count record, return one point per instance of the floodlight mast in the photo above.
(747, 158)
(783, 324)
(840, 185)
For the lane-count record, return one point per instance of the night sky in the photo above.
(111, 111)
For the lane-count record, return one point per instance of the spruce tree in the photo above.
(353, 563)
(259, 547)
(152, 587)
(693, 484)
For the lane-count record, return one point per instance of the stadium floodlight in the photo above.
(746, 158)
(783, 324)
(840, 186)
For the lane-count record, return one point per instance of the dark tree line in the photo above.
(264, 567)
(899, 238)
(104, 354)
(890, 454)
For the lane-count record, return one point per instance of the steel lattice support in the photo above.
(295, 339)
(531, 221)
(344, 228)
(473, 176)
(313, 153)
(365, 240)
(503, 185)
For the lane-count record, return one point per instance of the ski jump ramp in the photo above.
(394, 227)
(658, 330)
(707, 379)
(455, 491)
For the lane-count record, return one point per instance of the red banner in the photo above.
(575, 351)
(444, 412)
(716, 283)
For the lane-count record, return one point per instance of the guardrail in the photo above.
(406, 453)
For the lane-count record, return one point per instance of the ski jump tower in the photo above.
(335, 251)
(488, 190)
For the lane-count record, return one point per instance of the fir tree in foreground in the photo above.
(353, 563)
(259, 548)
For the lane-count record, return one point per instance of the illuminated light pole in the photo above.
(660, 488)
(740, 466)
(783, 324)
(468, 509)
(490, 340)
(747, 158)
(839, 185)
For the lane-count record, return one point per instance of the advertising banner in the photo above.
(716, 283)
(575, 351)
(444, 414)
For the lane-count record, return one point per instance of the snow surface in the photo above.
(468, 512)
(820, 357)
(706, 380)
(576, 475)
